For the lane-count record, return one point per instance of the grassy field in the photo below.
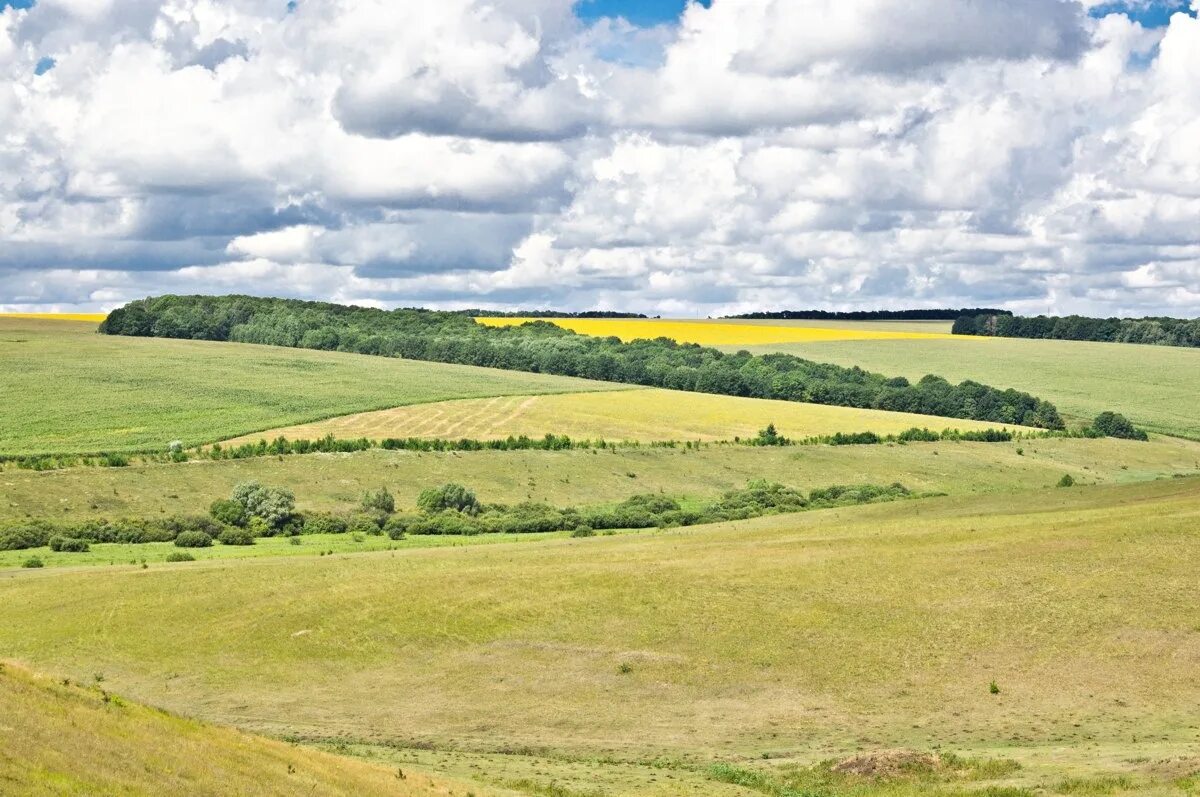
(639, 661)
(58, 737)
(69, 390)
(719, 333)
(1154, 385)
(582, 477)
(652, 414)
(93, 318)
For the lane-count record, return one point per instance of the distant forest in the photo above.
(476, 313)
(1152, 331)
(873, 315)
(542, 347)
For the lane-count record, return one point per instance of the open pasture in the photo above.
(336, 482)
(794, 638)
(717, 333)
(63, 738)
(651, 414)
(1155, 386)
(69, 390)
(93, 318)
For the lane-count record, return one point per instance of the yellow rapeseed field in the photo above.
(97, 317)
(713, 333)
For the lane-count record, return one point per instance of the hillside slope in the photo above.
(59, 738)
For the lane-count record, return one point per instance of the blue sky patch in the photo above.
(16, 4)
(1154, 14)
(44, 65)
(643, 13)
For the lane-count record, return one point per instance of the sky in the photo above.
(662, 156)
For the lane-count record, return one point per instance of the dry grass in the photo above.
(94, 318)
(61, 738)
(717, 333)
(810, 636)
(626, 415)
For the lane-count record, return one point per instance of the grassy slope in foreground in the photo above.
(336, 482)
(809, 635)
(652, 414)
(68, 390)
(1155, 386)
(60, 738)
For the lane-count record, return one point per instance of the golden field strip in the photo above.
(716, 333)
(96, 317)
(644, 415)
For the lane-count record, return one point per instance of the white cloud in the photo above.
(760, 154)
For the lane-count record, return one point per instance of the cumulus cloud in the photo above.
(1037, 154)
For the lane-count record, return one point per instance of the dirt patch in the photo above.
(889, 764)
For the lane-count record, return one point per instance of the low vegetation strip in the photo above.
(67, 390)
(546, 348)
(710, 333)
(644, 415)
(95, 318)
(1150, 331)
(255, 511)
(62, 737)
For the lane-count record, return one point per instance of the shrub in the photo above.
(235, 536)
(770, 437)
(229, 512)
(528, 517)
(178, 524)
(1111, 424)
(33, 561)
(449, 522)
(180, 556)
(275, 505)
(114, 460)
(324, 524)
(379, 500)
(364, 523)
(398, 525)
(68, 544)
(583, 531)
(448, 496)
(1066, 481)
(193, 539)
(26, 534)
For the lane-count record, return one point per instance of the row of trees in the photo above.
(545, 348)
(1152, 331)
(920, 314)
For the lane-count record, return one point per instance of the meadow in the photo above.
(722, 333)
(1050, 632)
(336, 482)
(65, 738)
(1155, 386)
(652, 414)
(69, 390)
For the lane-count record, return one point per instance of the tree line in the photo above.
(917, 314)
(542, 347)
(1161, 331)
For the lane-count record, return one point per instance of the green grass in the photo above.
(804, 637)
(69, 390)
(1155, 386)
(59, 737)
(583, 477)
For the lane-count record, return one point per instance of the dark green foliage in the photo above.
(69, 544)
(1159, 331)
(448, 522)
(770, 437)
(229, 512)
(397, 525)
(193, 539)
(235, 536)
(366, 523)
(528, 518)
(920, 314)
(1066, 481)
(1111, 424)
(759, 497)
(33, 561)
(113, 460)
(583, 531)
(545, 348)
(315, 523)
(448, 496)
(379, 500)
(26, 534)
(180, 556)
